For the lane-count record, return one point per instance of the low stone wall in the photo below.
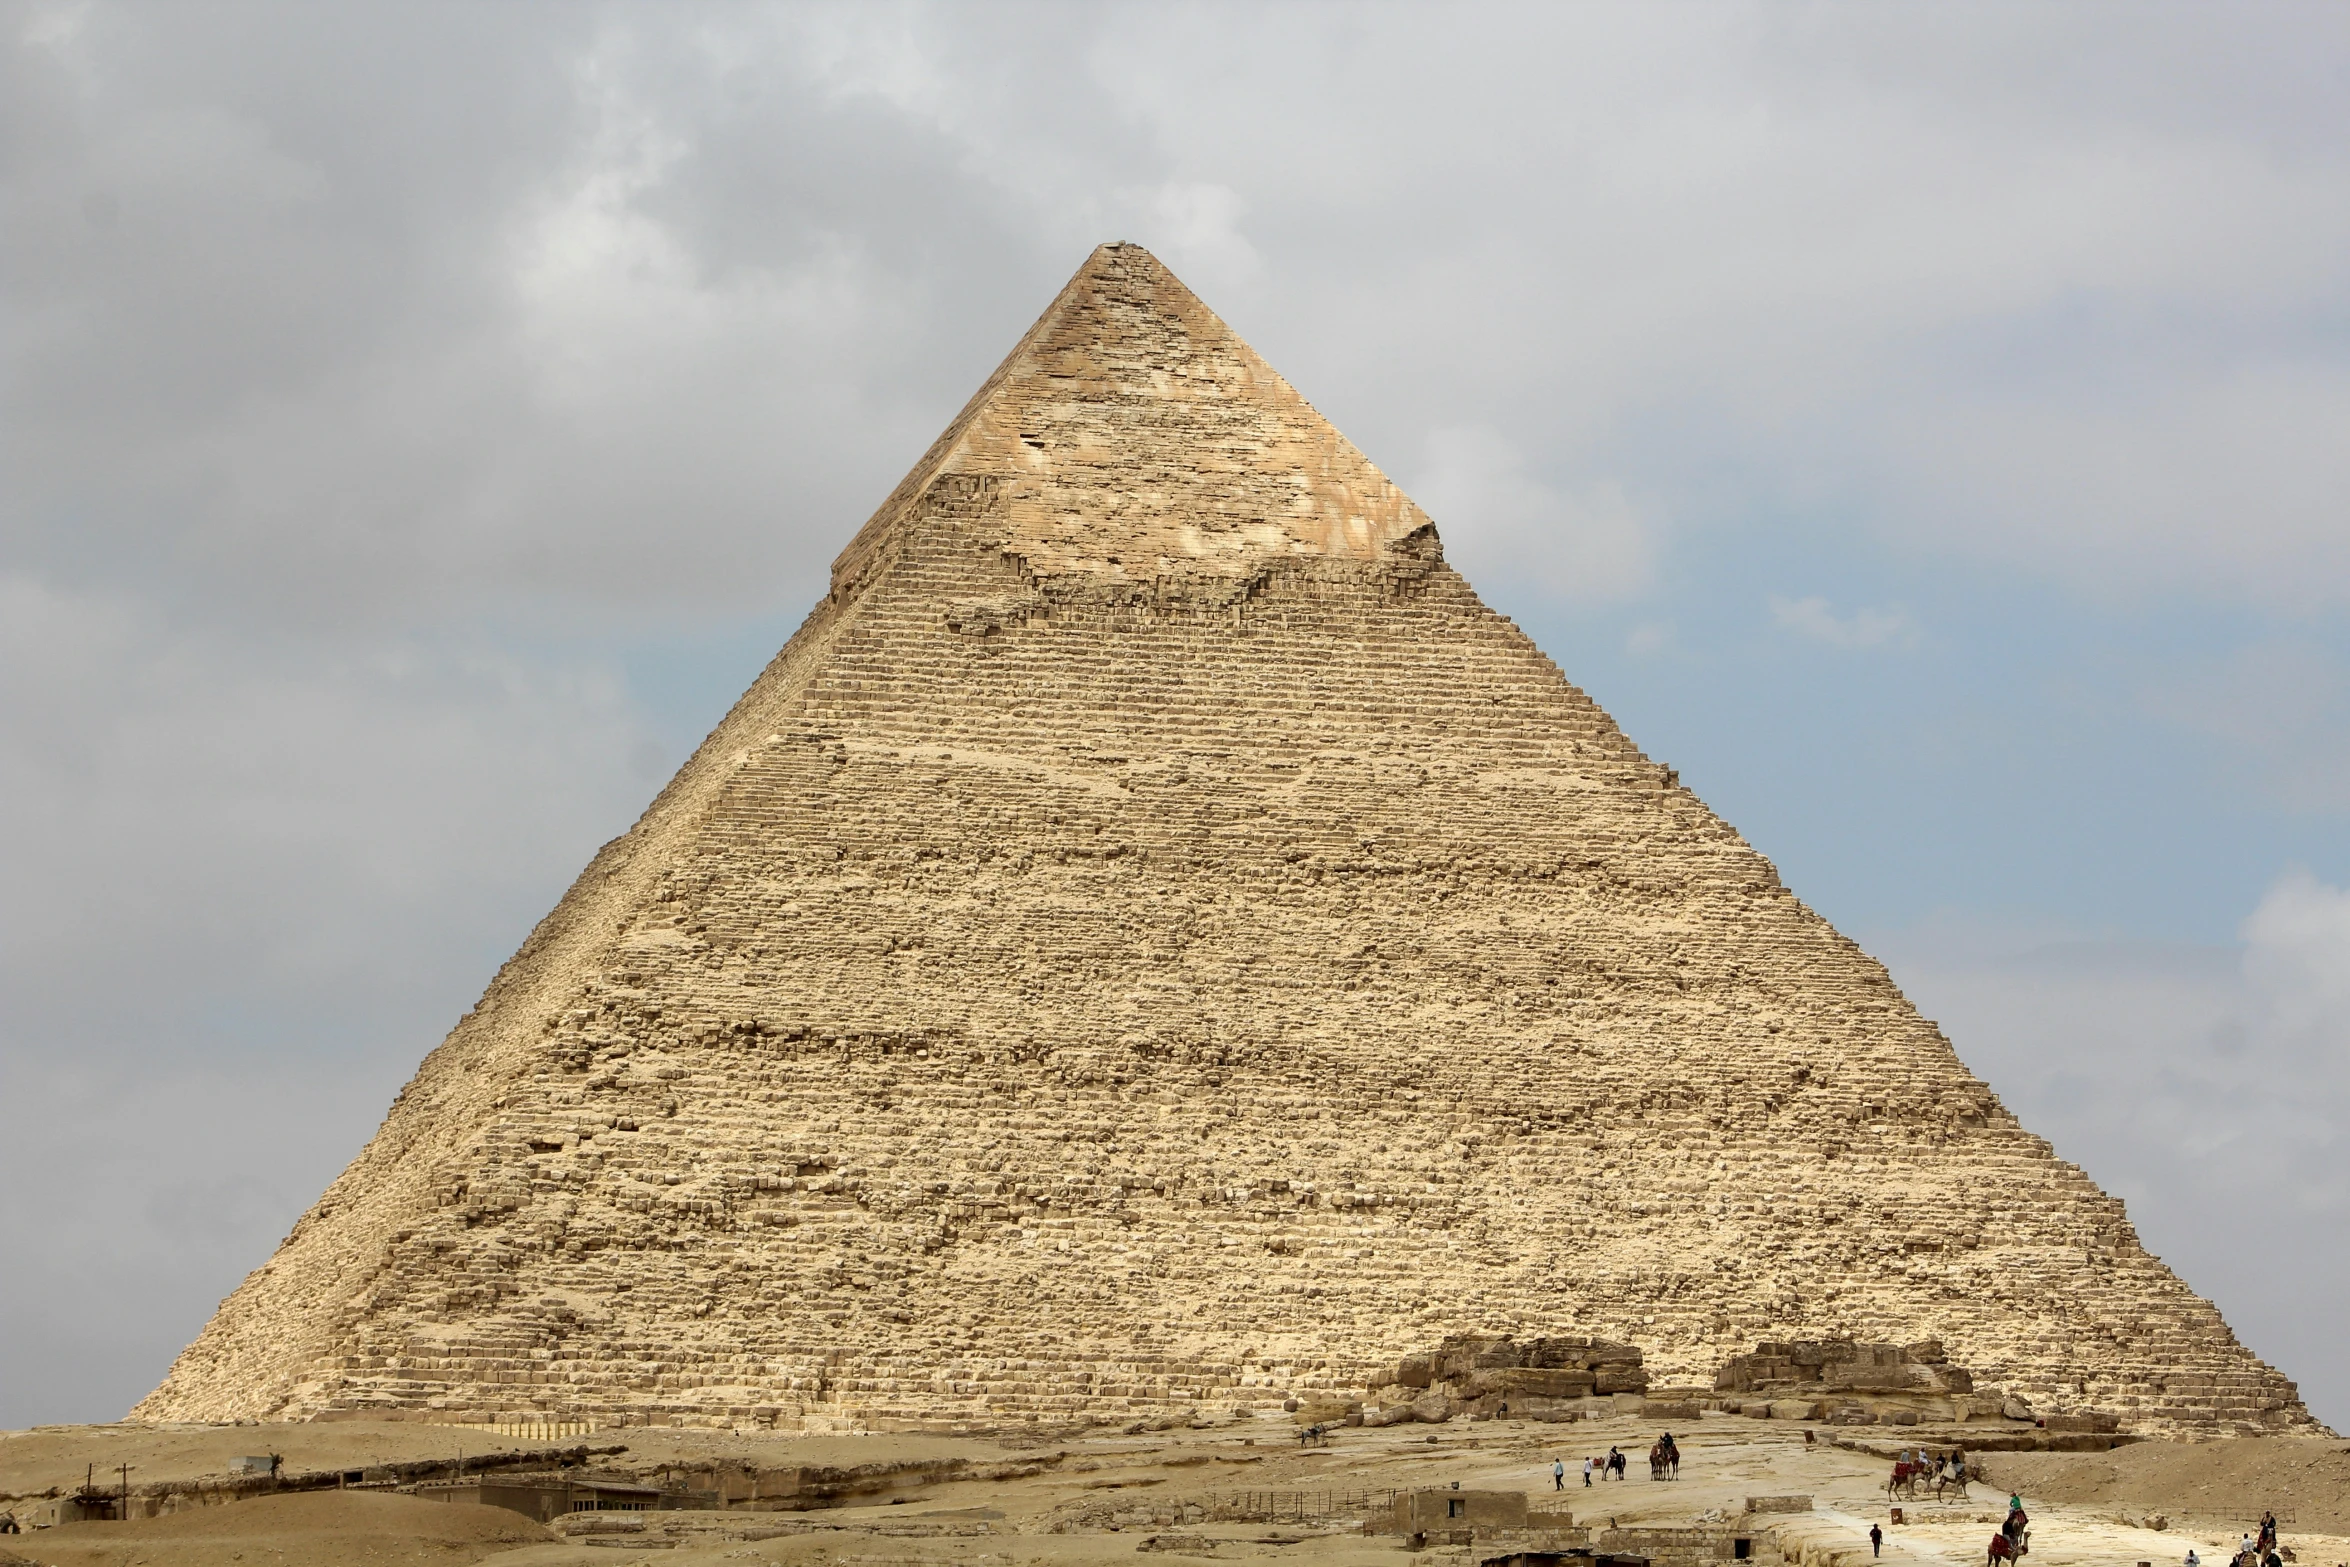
(1689, 1545)
(158, 1498)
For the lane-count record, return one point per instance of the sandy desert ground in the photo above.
(1097, 1497)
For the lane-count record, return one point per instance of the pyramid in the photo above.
(1154, 942)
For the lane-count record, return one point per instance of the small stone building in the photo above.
(1455, 1515)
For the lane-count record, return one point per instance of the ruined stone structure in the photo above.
(1489, 1376)
(1840, 1365)
(1154, 941)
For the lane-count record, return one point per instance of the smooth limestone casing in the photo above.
(1154, 937)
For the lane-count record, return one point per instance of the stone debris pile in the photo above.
(1813, 1379)
(1490, 1376)
(1843, 1365)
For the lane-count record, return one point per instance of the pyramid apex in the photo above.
(1132, 434)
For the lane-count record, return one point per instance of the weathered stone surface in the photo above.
(2083, 1420)
(1537, 1383)
(1155, 940)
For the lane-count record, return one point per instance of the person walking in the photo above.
(1876, 1540)
(1587, 1462)
(1558, 1474)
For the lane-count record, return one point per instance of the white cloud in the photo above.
(2297, 964)
(1195, 228)
(1498, 519)
(1811, 617)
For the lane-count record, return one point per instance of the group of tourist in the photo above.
(1913, 1464)
(1605, 1468)
(2253, 1550)
(2009, 1544)
(1664, 1460)
(2261, 1550)
(1949, 1466)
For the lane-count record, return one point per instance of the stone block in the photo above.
(2082, 1421)
(1530, 1381)
(1550, 1410)
(1434, 1408)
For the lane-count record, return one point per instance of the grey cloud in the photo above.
(428, 301)
(135, 1195)
(248, 882)
(180, 805)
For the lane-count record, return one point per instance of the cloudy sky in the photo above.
(1926, 427)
